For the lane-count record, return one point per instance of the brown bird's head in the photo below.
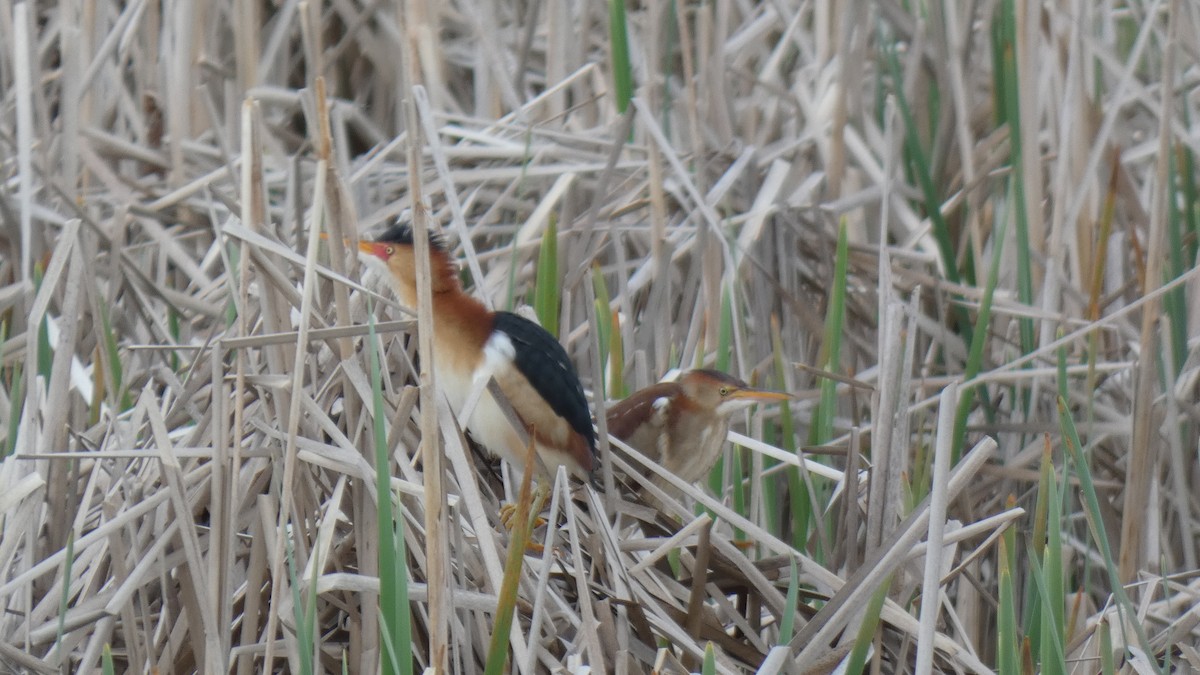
(721, 393)
(395, 248)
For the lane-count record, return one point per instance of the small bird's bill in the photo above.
(369, 247)
(373, 248)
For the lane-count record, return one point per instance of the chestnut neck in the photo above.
(456, 314)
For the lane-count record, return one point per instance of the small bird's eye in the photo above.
(389, 250)
(724, 391)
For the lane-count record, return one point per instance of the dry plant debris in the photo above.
(963, 234)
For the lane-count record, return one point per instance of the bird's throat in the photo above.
(460, 322)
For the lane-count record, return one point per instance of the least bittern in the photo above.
(472, 344)
(682, 425)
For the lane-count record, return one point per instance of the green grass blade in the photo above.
(106, 661)
(173, 327)
(121, 396)
(1008, 640)
(304, 638)
(725, 331)
(546, 292)
(978, 342)
(616, 352)
(785, 439)
(1094, 292)
(1187, 184)
(622, 71)
(310, 610)
(921, 170)
(866, 630)
(1175, 301)
(604, 317)
(829, 358)
(788, 625)
(1107, 665)
(1042, 513)
(710, 660)
(497, 656)
(1092, 514)
(45, 356)
(831, 347)
(395, 616)
(1049, 649)
(783, 435)
(1010, 102)
(738, 487)
(1053, 626)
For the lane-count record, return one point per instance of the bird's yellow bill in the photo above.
(368, 247)
(759, 395)
(373, 248)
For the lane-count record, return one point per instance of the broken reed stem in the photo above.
(524, 516)
(437, 555)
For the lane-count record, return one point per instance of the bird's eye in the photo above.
(389, 250)
(724, 391)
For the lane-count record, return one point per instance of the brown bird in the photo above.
(682, 425)
(473, 343)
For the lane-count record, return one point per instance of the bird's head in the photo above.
(723, 394)
(395, 249)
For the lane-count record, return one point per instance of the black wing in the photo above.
(544, 362)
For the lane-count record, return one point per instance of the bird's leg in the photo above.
(539, 502)
(508, 512)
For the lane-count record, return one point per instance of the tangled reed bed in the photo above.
(188, 476)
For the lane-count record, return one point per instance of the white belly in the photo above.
(488, 424)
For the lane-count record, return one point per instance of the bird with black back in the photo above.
(473, 344)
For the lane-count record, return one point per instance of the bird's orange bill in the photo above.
(368, 247)
(373, 248)
(759, 395)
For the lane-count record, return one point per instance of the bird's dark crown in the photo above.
(723, 378)
(402, 233)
